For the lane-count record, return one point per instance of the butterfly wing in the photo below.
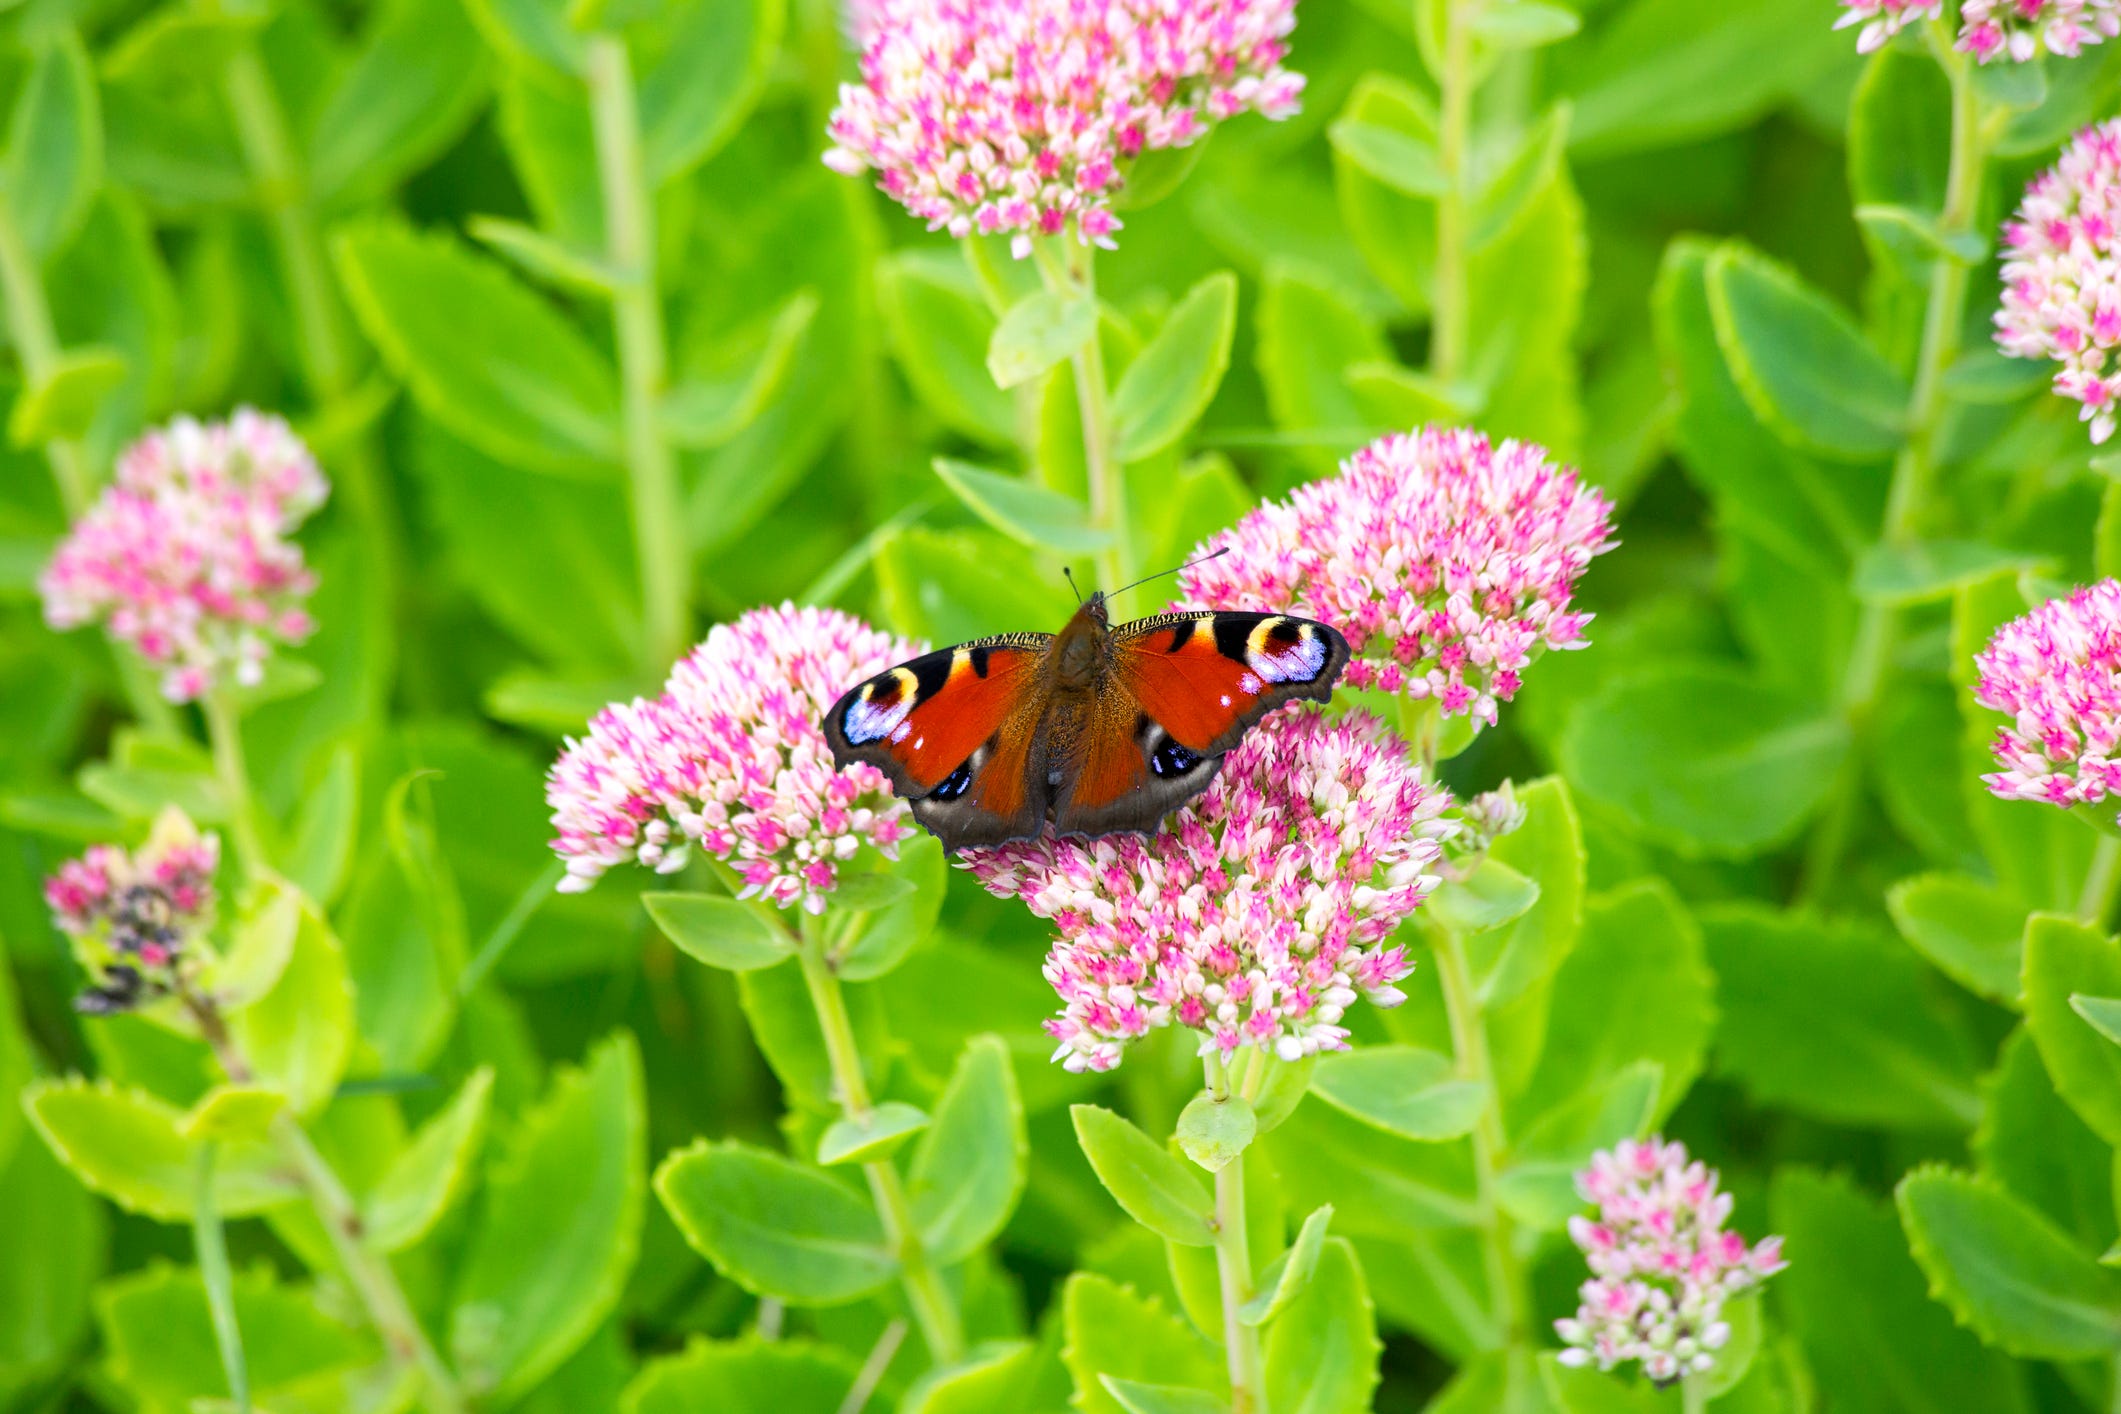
(1183, 690)
(957, 733)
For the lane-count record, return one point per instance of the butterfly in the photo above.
(1099, 729)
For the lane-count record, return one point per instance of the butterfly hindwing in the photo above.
(1205, 678)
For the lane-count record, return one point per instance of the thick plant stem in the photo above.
(1914, 470)
(934, 1309)
(1233, 1261)
(224, 733)
(1101, 465)
(1451, 332)
(1469, 1040)
(637, 313)
(330, 357)
(210, 1246)
(1693, 1395)
(369, 1273)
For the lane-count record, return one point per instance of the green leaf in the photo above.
(720, 932)
(126, 1145)
(714, 65)
(1531, 170)
(1547, 849)
(1706, 758)
(1801, 362)
(56, 1251)
(1524, 24)
(299, 1036)
(1287, 1276)
(1869, 1329)
(1396, 233)
(2013, 85)
(64, 403)
(2031, 1142)
(1923, 573)
(994, 1375)
(1023, 510)
(747, 1376)
(1286, 1085)
(1401, 1089)
(940, 333)
(877, 1135)
(1308, 333)
(432, 1171)
(1492, 895)
(968, 1168)
(2064, 957)
(484, 356)
(54, 159)
(715, 400)
(1322, 1351)
(548, 258)
(2006, 1272)
(876, 942)
(1107, 1330)
(1401, 160)
(1138, 1397)
(773, 1226)
(1157, 1190)
(233, 1112)
(1538, 1185)
(1040, 330)
(1830, 1021)
(561, 1224)
(1916, 236)
(1169, 384)
(1985, 377)
(414, 84)
(1214, 1131)
(2103, 1014)
(1970, 930)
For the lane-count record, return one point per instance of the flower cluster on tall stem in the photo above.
(136, 917)
(2056, 672)
(1022, 116)
(1257, 916)
(2062, 274)
(1662, 1265)
(187, 556)
(2018, 30)
(729, 759)
(1448, 560)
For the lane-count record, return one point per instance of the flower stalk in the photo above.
(637, 313)
(210, 1245)
(1075, 274)
(224, 734)
(1469, 1043)
(1451, 333)
(1233, 1253)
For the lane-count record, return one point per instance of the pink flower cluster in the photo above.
(2018, 29)
(2062, 274)
(1882, 19)
(1256, 916)
(133, 915)
(1662, 1266)
(187, 557)
(2057, 672)
(1447, 560)
(730, 758)
(1016, 115)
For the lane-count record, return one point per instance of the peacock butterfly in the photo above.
(1100, 729)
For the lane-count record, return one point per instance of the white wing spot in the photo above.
(1226, 699)
(1249, 683)
(868, 721)
(1301, 661)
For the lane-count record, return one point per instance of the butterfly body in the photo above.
(1099, 729)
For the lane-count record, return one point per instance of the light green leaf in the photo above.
(994, 1375)
(1396, 233)
(877, 1135)
(968, 1168)
(2004, 1270)
(1157, 1190)
(1403, 1089)
(560, 1226)
(1169, 384)
(1043, 328)
(1109, 1330)
(713, 67)
(1509, 960)
(64, 403)
(1801, 362)
(1531, 169)
(1023, 510)
(874, 943)
(1213, 1132)
(1524, 24)
(233, 1112)
(126, 1145)
(1538, 1183)
(56, 1251)
(718, 398)
(299, 1036)
(720, 932)
(1308, 334)
(54, 159)
(2063, 958)
(1971, 930)
(548, 258)
(1492, 895)
(1287, 1275)
(1925, 572)
(939, 332)
(773, 1226)
(431, 1171)
(1322, 1351)
(747, 1376)
(416, 81)
(2031, 1141)
(1400, 159)
(2103, 1014)
(1139, 1397)
(1916, 236)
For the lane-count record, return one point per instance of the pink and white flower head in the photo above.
(186, 556)
(1662, 1265)
(2019, 29)
(1882, 19)
(1447, 560)
(1019, 116)
(2056, 672)
(1256, 916)
(135, 916)
(730, 759)
(2062, 274)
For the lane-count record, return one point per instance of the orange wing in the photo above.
(1205, 678)
(919, 722)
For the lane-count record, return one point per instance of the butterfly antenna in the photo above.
(1069, 575)
(1176, 569)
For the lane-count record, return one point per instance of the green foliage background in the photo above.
(1778, 917)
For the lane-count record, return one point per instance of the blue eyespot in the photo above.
(954, 785)
(1169, 759)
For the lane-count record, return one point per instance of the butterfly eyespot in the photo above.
(1282, 650)
(1169, 759)
(881, 709)
(954, 785)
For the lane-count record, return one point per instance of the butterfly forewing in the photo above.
(1206, 678)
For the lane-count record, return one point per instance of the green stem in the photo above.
(211, 1245)
(1469, 1040)
(224, 733)
(1101, 465)
(1451, 333)
(371, 1275)
(1693, 1394)
(1914, 470)
(1233, 1264)
(2101, 881)
(934, 1309)
(637, 312)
